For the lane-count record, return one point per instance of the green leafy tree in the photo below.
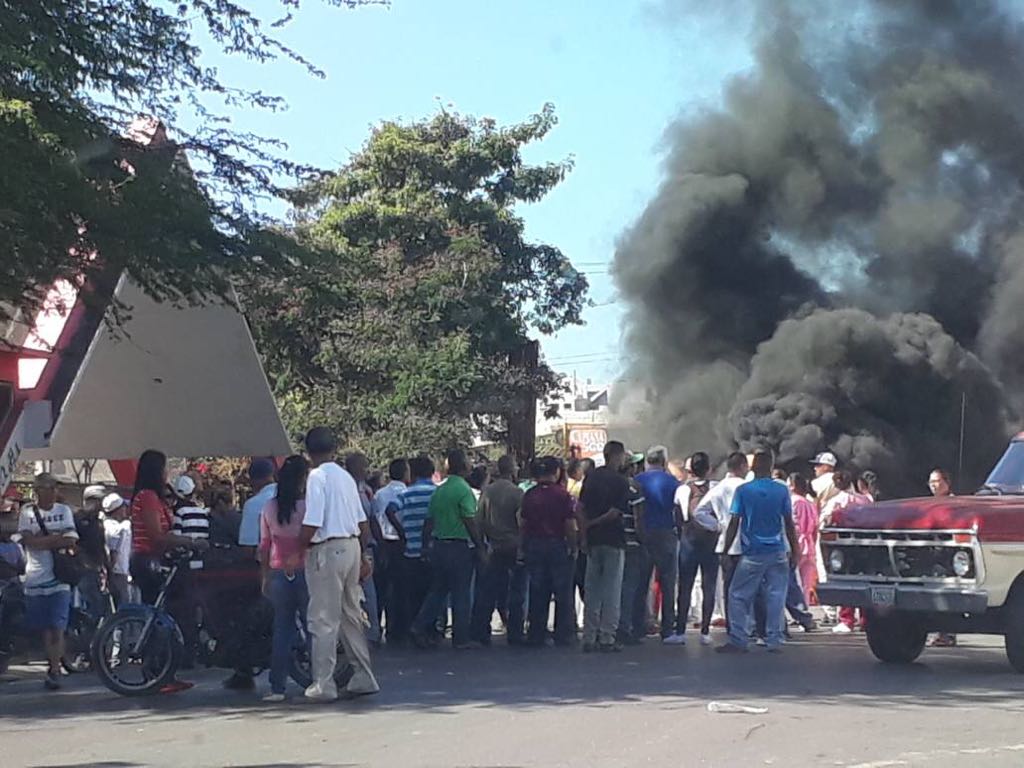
(408, 332)
(78, 196)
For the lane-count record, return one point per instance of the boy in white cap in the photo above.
(191, 518)
(117, 530)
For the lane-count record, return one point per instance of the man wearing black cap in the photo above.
(261, 478)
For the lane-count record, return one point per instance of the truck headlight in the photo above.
(836, 560)
(962, 563)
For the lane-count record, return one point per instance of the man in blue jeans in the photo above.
(762, 515)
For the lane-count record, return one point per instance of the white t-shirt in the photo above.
(841, 500)
(39, 578)
(823, 488)
(333, 504)
(682, 497)
(119, 543)
(389, 495)
(718, 501)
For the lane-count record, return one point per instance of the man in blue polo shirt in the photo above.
(762, 516)
(658, 531)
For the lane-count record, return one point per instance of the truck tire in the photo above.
(895, 637)
(1014, 634)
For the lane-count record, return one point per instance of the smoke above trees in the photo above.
(835, 256)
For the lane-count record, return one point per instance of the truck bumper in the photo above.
(905, 598)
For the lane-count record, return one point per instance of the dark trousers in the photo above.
(636, 578)
(694, 557)
(663, 557)
(119, 589)
(502, 582)
(181, 603)
(550, 569)
(412, 577)
(386, 571)
(453, 575)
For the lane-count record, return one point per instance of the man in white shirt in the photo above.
(45, 527)
(335, 529)
(718, 502)
(824, 471)
(117, 529)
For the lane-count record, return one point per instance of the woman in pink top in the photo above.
(282, 563)
(805, 518)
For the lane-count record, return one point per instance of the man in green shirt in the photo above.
(450, 536)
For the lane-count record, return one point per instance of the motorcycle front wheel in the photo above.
(126, 672)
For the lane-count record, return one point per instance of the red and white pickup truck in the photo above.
(953, 564)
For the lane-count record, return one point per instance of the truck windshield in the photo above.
(1008, 475)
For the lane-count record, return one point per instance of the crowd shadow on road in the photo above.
(817, 669)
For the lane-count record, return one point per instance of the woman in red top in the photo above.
(151, 536)
(152, 519)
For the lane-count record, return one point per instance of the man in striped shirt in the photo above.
(410, 511)
(190, 518)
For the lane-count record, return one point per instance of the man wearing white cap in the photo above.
(824, 488)
(117, 530)
(822, 485)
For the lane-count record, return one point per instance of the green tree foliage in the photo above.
(74, 74)
(407, 334)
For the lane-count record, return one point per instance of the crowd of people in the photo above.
(647, 546)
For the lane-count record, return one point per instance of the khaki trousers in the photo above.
(332, 574)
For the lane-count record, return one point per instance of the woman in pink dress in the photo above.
(805, 517)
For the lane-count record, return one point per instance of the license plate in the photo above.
(883, 597)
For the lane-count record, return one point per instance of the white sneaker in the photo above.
(274, 698)
(674, 639)
(841, 629)
(314, 693)
(705, 639)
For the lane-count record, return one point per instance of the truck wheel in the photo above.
(895, 638)
(1014, 635)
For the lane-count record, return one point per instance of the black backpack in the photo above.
(695, 533)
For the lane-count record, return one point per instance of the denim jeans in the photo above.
(290, 597)
(795, 605)
(502, 582)
(452, 565)
(550, 571)
(96, 603)
(603, 599)
(636, 577)
(754, 572)
(694, 557)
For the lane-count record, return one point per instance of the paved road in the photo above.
(829, 702)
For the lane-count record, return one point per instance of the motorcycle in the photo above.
(140, 648)
(16, 640)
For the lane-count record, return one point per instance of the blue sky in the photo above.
(617, 72)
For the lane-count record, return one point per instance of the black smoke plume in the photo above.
(835, 257)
